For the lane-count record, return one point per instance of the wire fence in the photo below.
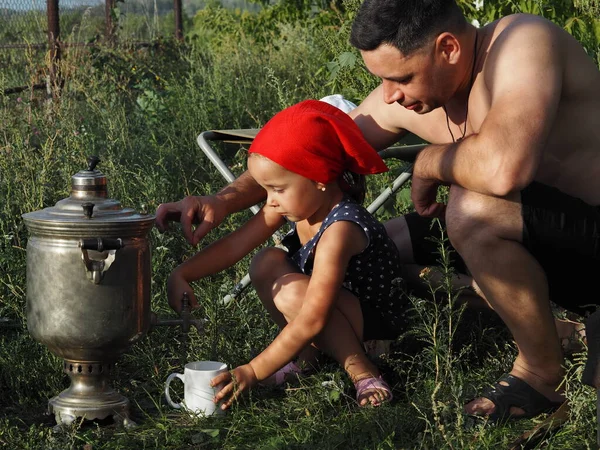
(25, 22)
(31, 28)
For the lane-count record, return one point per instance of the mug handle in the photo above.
(167, 384)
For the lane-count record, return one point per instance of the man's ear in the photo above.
(448, 47)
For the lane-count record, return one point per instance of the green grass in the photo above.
(140, 110)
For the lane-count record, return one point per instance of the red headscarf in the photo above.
(318, 141)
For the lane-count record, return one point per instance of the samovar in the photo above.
(88, 291)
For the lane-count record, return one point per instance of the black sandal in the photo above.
(519, 394)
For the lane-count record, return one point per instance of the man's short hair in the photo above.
(408, 25)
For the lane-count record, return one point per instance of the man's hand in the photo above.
(424, 197)
(207, 211)
(236, 382)
(176, 287)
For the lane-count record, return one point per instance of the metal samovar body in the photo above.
(88, 291)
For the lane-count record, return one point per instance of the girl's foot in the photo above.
(289, 372)
(372, 391)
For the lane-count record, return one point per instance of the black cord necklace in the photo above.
(464, 131)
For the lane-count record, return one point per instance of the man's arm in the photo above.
(221, 255)
(523, 76)
(210, 210)
(378, 121)
(241, 193)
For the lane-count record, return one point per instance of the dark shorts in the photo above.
(379, 326)
(560, 231)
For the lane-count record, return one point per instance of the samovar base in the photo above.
(89, 397)
(65, 413)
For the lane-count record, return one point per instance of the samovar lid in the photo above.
(87, 208)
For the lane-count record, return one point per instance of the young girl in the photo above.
(334, 287)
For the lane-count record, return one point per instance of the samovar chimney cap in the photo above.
(89, 182)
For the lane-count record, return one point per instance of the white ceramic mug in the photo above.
(198, 394)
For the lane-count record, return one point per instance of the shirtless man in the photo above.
(512, 112)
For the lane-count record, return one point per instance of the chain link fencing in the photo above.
(24, 29)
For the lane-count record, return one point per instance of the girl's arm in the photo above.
(337, 245)
(221, 255)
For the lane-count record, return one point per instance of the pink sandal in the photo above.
(373, 383)
(279, 377)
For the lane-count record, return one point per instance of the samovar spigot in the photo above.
(185, 321)
(186, 314)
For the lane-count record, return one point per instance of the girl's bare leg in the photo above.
(341, 338)
(266, 268)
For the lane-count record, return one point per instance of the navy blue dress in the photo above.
(373, 275)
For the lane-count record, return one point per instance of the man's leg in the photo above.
(414, 261)
(487, 232)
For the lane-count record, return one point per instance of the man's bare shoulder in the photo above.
(522, 30)
(516, 23)
(521, 42)
(382, 124)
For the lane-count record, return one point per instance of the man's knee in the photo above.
(467, 219)
(477, 220)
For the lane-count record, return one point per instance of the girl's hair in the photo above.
(354, 184)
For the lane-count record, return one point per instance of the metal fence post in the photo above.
(109, 30)
(178, 20)
(54, 44)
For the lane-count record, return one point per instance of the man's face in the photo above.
(413, 81)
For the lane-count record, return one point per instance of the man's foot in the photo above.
(372, 391)
(513, 398)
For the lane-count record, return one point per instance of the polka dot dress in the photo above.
(372, 276)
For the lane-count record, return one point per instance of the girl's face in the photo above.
(289, 194)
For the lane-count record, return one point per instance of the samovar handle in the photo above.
(95, 268)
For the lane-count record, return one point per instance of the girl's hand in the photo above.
(176, 287)
(236, 382)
